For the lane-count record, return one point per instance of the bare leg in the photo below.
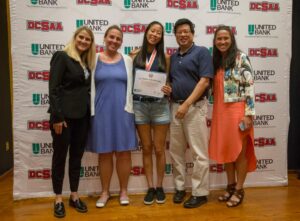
(230, 172)
(241, 171)
(144, 132)
(106, 170)
(123, 165)
(241, 166)
(160, 133)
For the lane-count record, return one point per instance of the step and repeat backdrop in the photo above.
(41, 27)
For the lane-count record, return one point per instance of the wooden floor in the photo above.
(270, 204)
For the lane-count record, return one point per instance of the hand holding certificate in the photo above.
(149, 83)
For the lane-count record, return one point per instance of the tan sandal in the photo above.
(230, 189)
(236, 199)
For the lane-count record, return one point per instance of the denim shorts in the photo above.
(154, 112)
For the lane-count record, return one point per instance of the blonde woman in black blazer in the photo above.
(69, 87)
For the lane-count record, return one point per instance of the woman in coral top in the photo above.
(232, 136)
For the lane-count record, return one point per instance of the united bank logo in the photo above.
(263, 121)
(45, 50)
(221, 6)
(211, 50)
(169, 27)
(40, 99)
(261, 30)
(44, 25)
(128, 49)
(93, 2)
(96, 25)
(38, 75)
(42, 149)
(135, 28)
(89, 171)
(264, 76)
(264, 6)
(183, 4)
(263, 52)
(42, 125)
(264, 164)
(147, 5)
(211, 29)
(46, 3)
(264, 142)
(168, 169)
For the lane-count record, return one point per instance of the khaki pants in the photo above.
(192, 129)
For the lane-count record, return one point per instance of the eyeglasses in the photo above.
(184, 32)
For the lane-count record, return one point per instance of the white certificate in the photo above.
(149, 83)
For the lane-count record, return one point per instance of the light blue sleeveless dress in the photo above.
(112, 128)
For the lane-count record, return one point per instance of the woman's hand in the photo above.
(167, 90)
(58, 127)
(248, 122)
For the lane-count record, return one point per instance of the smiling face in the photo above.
(113, 40)
(83, 41)
(184, 36)
(154, 34)
(223, 41)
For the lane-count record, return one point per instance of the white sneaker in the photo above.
(124, 200)
(101, 202)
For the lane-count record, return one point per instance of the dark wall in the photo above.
(6, 150)
(294, 129)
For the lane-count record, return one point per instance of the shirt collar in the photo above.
(187, 52)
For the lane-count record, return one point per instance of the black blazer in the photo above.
(69, 91)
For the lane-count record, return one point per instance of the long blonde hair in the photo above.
(87, 58)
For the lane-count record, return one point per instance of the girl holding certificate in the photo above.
(152, 112)
(112, 123)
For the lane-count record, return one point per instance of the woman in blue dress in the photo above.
(112, 123)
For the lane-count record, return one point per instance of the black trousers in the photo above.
(73, 138)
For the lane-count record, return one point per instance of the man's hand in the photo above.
(181, 111)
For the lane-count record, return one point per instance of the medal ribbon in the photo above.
(151, 60)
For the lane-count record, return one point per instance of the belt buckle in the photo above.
(179, 101)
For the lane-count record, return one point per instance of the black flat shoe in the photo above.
(79, 205)
(195, 201)
(59, 210)
(179, 196)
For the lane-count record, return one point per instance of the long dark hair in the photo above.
(140, 59)
(229, 60)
